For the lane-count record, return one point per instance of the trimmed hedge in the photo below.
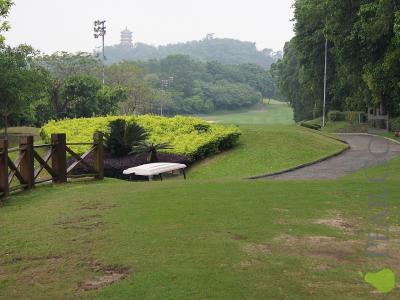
(188, 136)
(350, 116)
(311, 126)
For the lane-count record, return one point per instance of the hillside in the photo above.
(225, 51)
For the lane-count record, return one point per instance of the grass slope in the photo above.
(232, 239)
(266, 149)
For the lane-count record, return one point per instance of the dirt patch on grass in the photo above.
(106, 275)
(248, 263)
(81, 222)
(280, 210)
(237, 237)
(337, 222)
(19, 259)
(323, 247)
(97, 206)
(254, 249)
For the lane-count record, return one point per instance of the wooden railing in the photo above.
(24, 172)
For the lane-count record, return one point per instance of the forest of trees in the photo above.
(35, 88)
(65, 85)
(363, 57)
(225, 51)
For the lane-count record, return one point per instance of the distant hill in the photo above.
(225, 51)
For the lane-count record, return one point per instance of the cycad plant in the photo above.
(151, 149)
(122, 136)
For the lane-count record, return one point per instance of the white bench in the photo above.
(156, 169)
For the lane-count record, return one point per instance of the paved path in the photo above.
(358, 156)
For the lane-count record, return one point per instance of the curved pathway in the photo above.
(365, 150)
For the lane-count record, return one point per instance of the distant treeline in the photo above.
(363, 57)
(65, 85)
(225, 51)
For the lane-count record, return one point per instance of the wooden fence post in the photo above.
(99, 155)
(59, 158)
(4, 188)
(27, 166)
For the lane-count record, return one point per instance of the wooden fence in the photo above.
(29, 164)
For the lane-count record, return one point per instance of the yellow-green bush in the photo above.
(188, 136)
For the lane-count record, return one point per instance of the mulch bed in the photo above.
(114, 166)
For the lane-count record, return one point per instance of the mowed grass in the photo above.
(265, 149)
(270, 142)
(14, 133)
(272, 112)
(228, 239)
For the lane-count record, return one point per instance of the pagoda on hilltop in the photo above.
(126, 38)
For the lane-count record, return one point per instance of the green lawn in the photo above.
(15, 132)
(272, 112)
(228, 239)
(214, 236)
(266, 149)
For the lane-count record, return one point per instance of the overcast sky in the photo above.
(54, 25)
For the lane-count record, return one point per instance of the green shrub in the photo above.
(336, 116)
(311, 126)
(395, 124)
(181, 133)
(122, 136)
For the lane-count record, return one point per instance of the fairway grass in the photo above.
(229, 239)
(272, 112)
(213, 236)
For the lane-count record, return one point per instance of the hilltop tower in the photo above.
(126, 38)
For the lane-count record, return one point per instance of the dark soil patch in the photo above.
(82, 222)
(114, 166)
(49, 258)
(236, 237)
(106, 275)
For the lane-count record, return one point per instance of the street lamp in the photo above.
(100, 31)
(325, 79)
(165, 84)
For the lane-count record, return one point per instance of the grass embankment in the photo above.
(270, 142)
(265, 149)
(232, 239)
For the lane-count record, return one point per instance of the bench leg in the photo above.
(184, 173)
(160, 175)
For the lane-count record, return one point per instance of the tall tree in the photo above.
(61, 66)
(20, 81)
(5, 6)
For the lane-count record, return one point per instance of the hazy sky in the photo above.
(53, 25)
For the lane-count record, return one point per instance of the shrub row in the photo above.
(350, 116)
(188, 136)
(311, 125)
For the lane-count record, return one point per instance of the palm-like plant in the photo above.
(151, 149)
(123, 135)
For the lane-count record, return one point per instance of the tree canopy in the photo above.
(363, 51)
(225, 51)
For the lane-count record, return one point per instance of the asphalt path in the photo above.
(365, 151)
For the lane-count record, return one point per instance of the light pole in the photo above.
(100, 31)
(325, 78)
(165, 83)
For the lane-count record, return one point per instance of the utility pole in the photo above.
(325, 79)
(165, 83)
(100, 31)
